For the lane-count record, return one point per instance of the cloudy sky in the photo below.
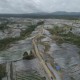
(32, 6)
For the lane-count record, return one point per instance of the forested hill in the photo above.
(58, 14)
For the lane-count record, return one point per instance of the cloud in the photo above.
(32, 6)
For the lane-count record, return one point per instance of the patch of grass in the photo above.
(58, 39)
(39, 39)
(3, 26)
(79, 53)
(47, 46)
(61, 35)
(56, 30)
(40, 23)
(72, 78)
(28, 30)
(2, 71)
(71, 38)
(5, 43)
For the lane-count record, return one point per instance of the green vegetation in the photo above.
(28, 30)
(40, 23)
(5, 43)
(2, 71)
(29, 75)
(60, 30)
(47, 47)
(64, 34)
(56, 30)
(72, 78)
(70, 37)
(79, 53)
(3, 26)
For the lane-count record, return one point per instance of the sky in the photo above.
(34, 6)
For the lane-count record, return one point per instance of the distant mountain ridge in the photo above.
(57, 14)
(66, 13)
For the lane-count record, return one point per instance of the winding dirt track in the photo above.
(52, 73)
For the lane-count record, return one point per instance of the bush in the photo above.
(4, 26)
(2, 71)
(4, 43)
(62, 36)
(40, 23)
(28, 30)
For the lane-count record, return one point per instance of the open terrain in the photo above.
(52, 47)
